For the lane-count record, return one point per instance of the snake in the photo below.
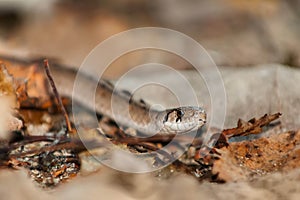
(125, 110)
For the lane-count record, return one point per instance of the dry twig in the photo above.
(57, 96)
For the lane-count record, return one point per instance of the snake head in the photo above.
(183, 119)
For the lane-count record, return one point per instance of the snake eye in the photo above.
(174, 115)
(180, 114)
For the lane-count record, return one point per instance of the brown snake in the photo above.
(128, 112)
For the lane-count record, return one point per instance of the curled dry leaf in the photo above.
(253, 126)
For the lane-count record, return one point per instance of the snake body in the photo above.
(126, 111)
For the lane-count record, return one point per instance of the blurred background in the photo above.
(235, 32)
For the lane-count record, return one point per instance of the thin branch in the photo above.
(75, 145)
(57, 96)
